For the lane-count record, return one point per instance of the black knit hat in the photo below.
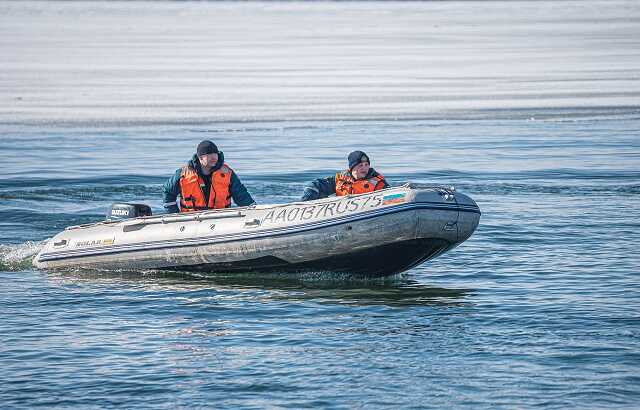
(207, 147)
(357, 157)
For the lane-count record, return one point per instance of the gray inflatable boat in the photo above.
(375, 234)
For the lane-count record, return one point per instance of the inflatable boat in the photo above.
(375, 234)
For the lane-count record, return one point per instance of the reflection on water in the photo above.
(324, 287)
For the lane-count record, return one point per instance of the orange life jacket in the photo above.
(191, 193)
(346, 184)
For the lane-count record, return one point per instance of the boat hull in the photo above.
(376, 261)
(374, 234)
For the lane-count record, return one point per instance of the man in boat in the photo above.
(206, 182)
(358, 179)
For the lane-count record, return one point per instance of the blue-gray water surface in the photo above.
(539, 308)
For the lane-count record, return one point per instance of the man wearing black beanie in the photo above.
(359, 178)
(205, 182)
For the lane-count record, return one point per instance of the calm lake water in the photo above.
(530, 108)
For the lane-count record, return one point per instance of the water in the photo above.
(529, 108)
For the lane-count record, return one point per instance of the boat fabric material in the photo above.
(265, 233)
(171, 188)
(324, 187)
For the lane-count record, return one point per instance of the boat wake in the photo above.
(322, 287)
(19, 257)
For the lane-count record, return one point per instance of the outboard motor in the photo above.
(125, 211)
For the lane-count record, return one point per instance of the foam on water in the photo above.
(19, 257)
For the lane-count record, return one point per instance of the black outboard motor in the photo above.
(125, 211)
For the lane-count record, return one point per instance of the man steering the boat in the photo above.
(358, 179)
(206, 182)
